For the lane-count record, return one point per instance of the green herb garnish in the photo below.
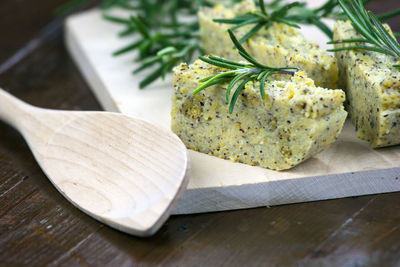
(164, 47)
(165, 40)
(374, 36)
(291, 14)
(239, 73)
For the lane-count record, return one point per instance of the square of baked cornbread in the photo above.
(295, 121)
(278, 46)
(372, 88)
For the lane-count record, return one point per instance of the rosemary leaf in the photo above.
(211, 80)
(218, 63)
(239, 72)
(253, 31)
(151, 77)
(237, 93)
(352, 40)
(262, 82)
(116, 19)
(127, 48)
(369, 48)
(233, 83)
(228, 61)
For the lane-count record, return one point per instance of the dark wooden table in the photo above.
(39, 227)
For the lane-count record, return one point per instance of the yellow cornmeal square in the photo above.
(372, 87)
(295, 121)
(278, 46)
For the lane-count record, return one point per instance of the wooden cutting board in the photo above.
(348, 168)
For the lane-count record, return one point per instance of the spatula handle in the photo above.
(12, 110)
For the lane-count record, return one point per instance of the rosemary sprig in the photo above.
(291, 14)
(374, 36)
(239, 73)
(164, 40)
(165, 47)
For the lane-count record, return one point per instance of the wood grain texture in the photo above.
(350, 167)
(40, 227)
(122, 171)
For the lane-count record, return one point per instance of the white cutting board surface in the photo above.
(348, 168)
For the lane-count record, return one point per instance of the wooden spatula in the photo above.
(124, 172)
